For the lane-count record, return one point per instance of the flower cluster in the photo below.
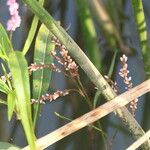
(65, 59)
(50, 97)
(34, 67)
(15, 19)
(127, 80)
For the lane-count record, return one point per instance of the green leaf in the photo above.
(3, 102)
(96, 98)
(8, 146)
(5, 42)
(7, 77)
(31, 32)
(89, 32)
(111, 69)
(141, 27)
(140, 21)
(11, 104)
(2, 51)
(42, 78)
(3, 87)
(20, 78)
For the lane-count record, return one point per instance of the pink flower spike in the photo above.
(13, 8)
(15, 20)
(10, 2)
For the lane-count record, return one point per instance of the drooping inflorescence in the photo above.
(65, 60)
(34, 67)
(50, 97)
(61, 55)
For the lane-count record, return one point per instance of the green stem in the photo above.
(139, 16)
(87, 66)
(84, 93)
(140, 21)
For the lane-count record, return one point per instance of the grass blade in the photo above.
(41, 78)
(138, 11)
(32, 32)
(4, 41)
(112, 66)
(3, 87)
(140, 21)
(20, 78)
(89, 33)
(11, 104)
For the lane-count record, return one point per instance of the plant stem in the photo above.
(84, 93)
(140, 21)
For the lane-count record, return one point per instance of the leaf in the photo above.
(32, 31)
(11, 104)
(5, 42)
(96, 98)
(20, 79)
(3, 102)
(112, 66)
(140, 22)
(141, 28)
(89, 32)
(7, 77)
(2, 51)
(3, 87)
(8, 146)
(42, 78)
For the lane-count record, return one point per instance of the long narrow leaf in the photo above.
(4, 41)
(41, 78)
(112, 66)
(31, 32)
(3, 87)
(140, 21)
(89, 32)
(7, 76)
(20, 77)
(11, 104)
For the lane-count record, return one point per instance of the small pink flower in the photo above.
(13, 9)
(9, 2)
(15, 20)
